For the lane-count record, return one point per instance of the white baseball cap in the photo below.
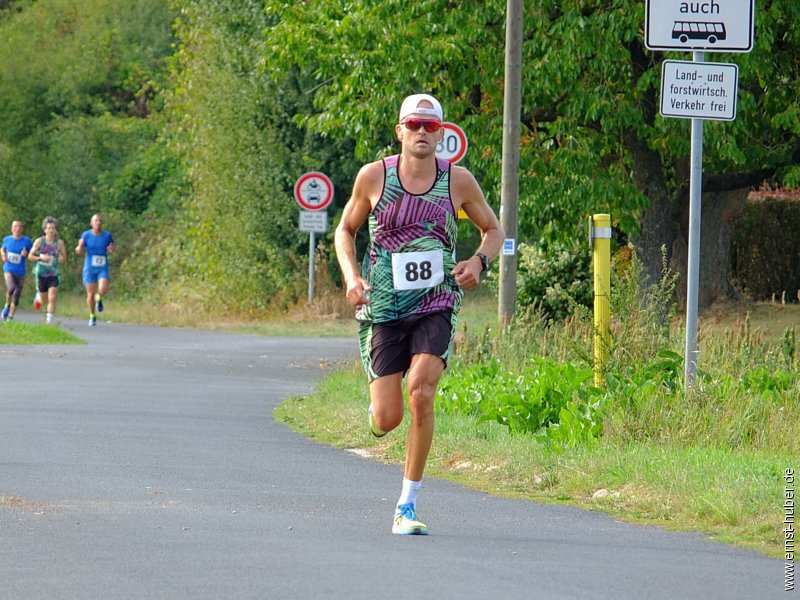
(411, 106)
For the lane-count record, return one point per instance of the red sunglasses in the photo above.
(415, 124)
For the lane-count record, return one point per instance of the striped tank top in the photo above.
(47, 266)
(412, 249)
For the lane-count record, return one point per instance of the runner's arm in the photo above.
(34, 253)
(468, 194)
(355, 213)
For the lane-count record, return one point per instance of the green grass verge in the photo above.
(327, 318)
(731, 496)
(17, 333)
(303, 321)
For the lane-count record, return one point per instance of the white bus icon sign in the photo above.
(706, 25)
(683, 31)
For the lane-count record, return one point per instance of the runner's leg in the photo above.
(102, 286)
(386, 398)
(423, 378)
(91, 290)
(16, 290)
(52, 295)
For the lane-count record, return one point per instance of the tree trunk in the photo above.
(657, 231)
(665, 223)
(717, 221)
(658, 222)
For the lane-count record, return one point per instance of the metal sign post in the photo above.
(313, 191)
(312, 244)
(313, 222)
(699, 91)
(693, 267)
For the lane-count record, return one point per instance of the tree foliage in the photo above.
(188, 122)
(592, 138)
(242, 152)
(80, 82)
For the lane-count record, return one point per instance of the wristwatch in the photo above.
(484, 261)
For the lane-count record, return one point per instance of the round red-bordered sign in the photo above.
(453, 146)
(313, 191)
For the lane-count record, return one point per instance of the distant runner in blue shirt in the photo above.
(98, 244)
(15, 256)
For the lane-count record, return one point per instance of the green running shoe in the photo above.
(406, 523)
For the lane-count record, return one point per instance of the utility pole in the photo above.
(509, 192)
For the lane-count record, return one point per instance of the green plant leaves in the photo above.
(544, 396)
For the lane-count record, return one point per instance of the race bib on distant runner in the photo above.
(417, 270)
(98, 261)
(14, 258)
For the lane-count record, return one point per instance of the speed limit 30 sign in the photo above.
(453, 145)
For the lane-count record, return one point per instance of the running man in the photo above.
(14, 252)
(49, 253)
(98, 244)
(408, 292)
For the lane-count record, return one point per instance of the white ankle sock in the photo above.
(409, 493)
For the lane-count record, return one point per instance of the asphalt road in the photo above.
(146, 465)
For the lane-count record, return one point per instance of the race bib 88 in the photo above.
(417, 270)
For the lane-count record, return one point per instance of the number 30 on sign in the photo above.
(453, 145)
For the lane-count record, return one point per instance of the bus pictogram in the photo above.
(684, 31)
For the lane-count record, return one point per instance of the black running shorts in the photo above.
(47, 282)
(387, 348)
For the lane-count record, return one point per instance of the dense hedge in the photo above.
(765, 252)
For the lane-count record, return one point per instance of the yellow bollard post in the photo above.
(600, 236)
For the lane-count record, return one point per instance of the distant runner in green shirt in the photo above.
(49, 253)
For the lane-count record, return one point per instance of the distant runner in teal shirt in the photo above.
(49, 253)
(14, 253)
(98, 244)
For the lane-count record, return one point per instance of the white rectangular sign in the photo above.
(699, 90)
(707, 25)
(314, 221)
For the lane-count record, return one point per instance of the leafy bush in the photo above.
(664, 373)
(745, 395)
(553, 400)
(554, 279)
